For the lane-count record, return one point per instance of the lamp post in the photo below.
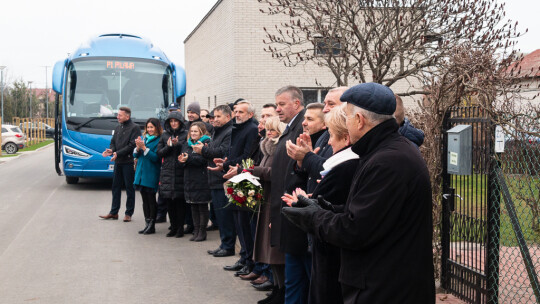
(30, 85)
(46, 91)
(2, 67)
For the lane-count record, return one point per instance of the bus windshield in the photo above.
(97, 88)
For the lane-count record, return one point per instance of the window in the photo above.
(323, 47)
(4, 130)
(312, 95)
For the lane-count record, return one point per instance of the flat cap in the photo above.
(371, 96)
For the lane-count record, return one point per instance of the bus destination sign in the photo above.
(121, 65)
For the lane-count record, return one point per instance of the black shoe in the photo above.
(189, 229)
(224, 253)
(179, 233)
(213, 251)
(161, 220)
(264, 286)
(171, 233)
(212, 227)
(145, 227)
(237, 266)
(276, 296)
(244, 271)
(151, 228)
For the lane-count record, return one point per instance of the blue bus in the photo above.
(106, 73)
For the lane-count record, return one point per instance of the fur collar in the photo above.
(268, 146)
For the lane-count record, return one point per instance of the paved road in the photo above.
(54, 249)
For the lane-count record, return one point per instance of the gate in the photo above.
(489, 235)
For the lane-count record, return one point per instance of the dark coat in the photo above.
(263, 252)
(284, 234)
(123, 141)
(312, 163)
(217, 148)
(171, 180)
(148, 165)
(196, 188)
(324, 285)
(411, 133)
(385, 233)
(243, 138)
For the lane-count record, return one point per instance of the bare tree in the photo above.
(385, 41)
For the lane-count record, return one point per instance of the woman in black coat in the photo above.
(196, 189)
(171, 188)
(334, 187)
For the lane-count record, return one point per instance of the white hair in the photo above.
(251, 108)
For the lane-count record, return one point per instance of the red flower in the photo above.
(230, 190)
(258, 196)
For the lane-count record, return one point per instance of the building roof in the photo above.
(203, 19)
(529, 66)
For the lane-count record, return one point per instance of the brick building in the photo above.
(224, 60)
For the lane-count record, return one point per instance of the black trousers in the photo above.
(149, 203)
(176, 207)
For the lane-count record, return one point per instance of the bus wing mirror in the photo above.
(58, 76)
(179, 82)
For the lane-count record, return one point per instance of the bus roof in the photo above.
(119, 45)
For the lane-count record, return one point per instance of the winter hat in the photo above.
(373, 97)
(173, 106)
(194, 107)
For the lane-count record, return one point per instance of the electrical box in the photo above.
(460, 150)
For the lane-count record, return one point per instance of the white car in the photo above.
(12, 139)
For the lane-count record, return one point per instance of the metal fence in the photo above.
(490, 222)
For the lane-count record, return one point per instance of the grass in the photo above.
(37, 146)
(469, 219)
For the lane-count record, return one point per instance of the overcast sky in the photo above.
(37, 33)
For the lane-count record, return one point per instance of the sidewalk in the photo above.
(442, 298)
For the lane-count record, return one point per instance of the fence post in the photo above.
(445, 219)
(493, 225)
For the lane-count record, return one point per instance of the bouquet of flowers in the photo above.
(244, 189)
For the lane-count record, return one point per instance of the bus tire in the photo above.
(71, 180)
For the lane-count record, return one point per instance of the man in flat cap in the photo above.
(385, 232)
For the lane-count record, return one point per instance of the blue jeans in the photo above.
(297, 276)
(224, 218)
(124, 174)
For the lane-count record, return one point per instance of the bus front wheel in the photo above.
(71, 180)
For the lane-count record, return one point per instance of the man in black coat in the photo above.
(121, 149)
(219, 148)
(310, 159)
(385, 233)
(243, 138)
(291, 240)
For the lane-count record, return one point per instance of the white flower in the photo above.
(251, 192)
(240, 194)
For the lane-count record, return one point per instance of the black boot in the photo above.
(189, 229)
(179, 232)
(196, 222)
(203, 223)
(279, 298)
(151, 228)
(145, 227)
(172, 232)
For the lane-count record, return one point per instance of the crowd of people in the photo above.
(346, 212)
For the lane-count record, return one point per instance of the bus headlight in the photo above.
(74, 152)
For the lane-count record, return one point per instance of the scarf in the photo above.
(203, 138)
(337, 159)
(148, 138)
